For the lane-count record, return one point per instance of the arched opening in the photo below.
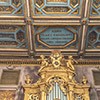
(56, 91)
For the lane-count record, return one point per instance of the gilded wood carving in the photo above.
(57, 73)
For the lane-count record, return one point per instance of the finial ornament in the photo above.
(84, 80)
(56, 59)
(28, 79)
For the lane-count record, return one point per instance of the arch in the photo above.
(50, 77)
(56, 89)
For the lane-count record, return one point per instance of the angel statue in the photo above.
(70, 63)
(44, 62)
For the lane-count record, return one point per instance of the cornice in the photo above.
(36, 62)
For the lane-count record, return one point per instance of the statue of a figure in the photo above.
(44, 62)
(84, 80)
(28, 80)
(70, 63)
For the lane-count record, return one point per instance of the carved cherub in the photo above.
(44, 62)
(70, 63)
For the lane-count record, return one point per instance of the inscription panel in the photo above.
(56, 37)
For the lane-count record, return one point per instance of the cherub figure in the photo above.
(70, 63)
(44, 62)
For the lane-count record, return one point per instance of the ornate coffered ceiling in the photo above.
(32, 27)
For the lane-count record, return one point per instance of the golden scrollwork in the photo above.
(30, 97)
(7, 95)
(33, 97)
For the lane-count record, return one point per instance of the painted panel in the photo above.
(96, 79)
(93, 37)
(12, 37)
(11, 7)
(56, 37)
(56, 7)
(10, 77)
